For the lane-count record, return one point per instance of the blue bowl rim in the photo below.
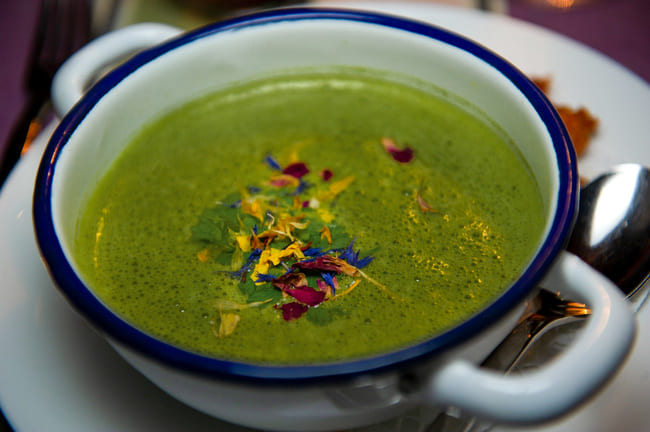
(116, 328)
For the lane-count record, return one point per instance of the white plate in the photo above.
(57, 374)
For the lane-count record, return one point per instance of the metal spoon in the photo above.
(612, 234)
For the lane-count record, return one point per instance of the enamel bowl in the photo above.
(175, 68)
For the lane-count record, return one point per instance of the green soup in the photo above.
(310, 218)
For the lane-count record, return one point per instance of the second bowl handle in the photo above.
(75, 75)
(555, 388)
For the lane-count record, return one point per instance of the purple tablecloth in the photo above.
(17, 24)
(618, 28)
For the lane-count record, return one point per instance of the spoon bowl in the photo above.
(612, 232)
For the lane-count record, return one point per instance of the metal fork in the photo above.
(544, 312)
(63, 27)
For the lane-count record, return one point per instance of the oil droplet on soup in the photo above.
(404, 212)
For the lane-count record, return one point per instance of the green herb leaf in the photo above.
(340, 238)
(265, 292)
(215, 224)
(323, 315)
(247, 287)
(259, 293)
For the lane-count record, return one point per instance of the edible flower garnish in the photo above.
(227, 324)
(327, 263)
(331, 284)
(281, 242)
(424, 205)
(293, 310)
(272, 163)
(297, 170)
(307, 295)
(352, 257)
(326, 174)
(404, 155)
(326, 234)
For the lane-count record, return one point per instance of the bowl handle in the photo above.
(559, 386)
(75, 75)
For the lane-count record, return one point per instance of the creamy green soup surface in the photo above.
(309, 218)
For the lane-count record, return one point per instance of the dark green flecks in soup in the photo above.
(309, 218)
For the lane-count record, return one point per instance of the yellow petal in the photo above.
(228, 324)
(299, 225)
(339, 186)
(325, 215)
(262, 266)
(203, 255)
(277, 255)
(272, 257)
(335, 188)
(326, 233)
(227, 305)
(237, 259)
(253, 208)
(295, 250)
(347, 291)
(244, 242)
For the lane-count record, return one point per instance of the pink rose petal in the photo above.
(306, 295)
(291, 311)
(400, 155)
(297, 170)
(326, 174)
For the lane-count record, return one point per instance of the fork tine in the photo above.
(66, 29)
(38, 45)
(74, 22)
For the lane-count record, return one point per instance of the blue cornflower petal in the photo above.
(264, 277)
(364, 262)
(349, 255)
(272, 163)
(313, 252)
(301, 187)
(327, 277)
(255, 254)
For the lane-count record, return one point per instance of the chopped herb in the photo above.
(215, 224)
(265, 293)
(322, 316)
